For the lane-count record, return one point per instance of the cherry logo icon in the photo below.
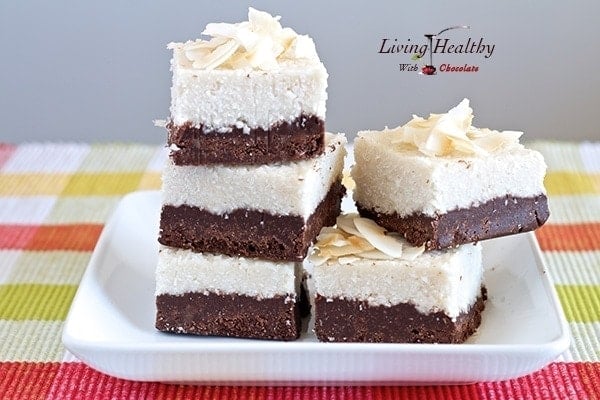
(429, 69)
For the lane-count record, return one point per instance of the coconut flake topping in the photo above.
(259, 43)
(355, 237)
(452, 133)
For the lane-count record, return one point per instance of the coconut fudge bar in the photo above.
(254, 93)
(371, 286)
(268, 211)
(443, 182)
(213, 294)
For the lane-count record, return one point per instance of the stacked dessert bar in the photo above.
(409, 269)
(251, 179)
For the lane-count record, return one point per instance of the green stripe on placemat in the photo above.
(49, 267)
(82, 209)
(560, 156)
(585, 343)
(581, 303)
(35, 302)
(117, 158)
(31, 341)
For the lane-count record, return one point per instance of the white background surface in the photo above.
(99, 71)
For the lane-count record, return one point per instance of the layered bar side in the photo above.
(269, 211)
(371, 286)
(350, 320)
(216, 295)
(300, 139)
(248, 233)
(502, 216)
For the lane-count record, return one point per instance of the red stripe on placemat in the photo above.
(77, 381)
(16, 236)
(589, 374)
(556, 381)
(78, 237)
(81, 237)
(6, 150)
(26, 380)
(565, 237)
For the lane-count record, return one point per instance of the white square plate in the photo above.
(111, 324)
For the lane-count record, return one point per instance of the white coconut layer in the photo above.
(221, 98)
(294, 188)
(181, 271)
(449, 281)
(391, 178)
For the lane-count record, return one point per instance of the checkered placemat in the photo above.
(55, 198)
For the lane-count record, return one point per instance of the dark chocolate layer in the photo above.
(501, 216)
(248, 233)
(233, 315)
(342, 320)
(300, 139)
(304, 298)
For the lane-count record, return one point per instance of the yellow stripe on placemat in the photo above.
(581, 303)
(33, 301)
(563, 182)
(102, 184)
(33, 184)
(38, 341)
(150, 181)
